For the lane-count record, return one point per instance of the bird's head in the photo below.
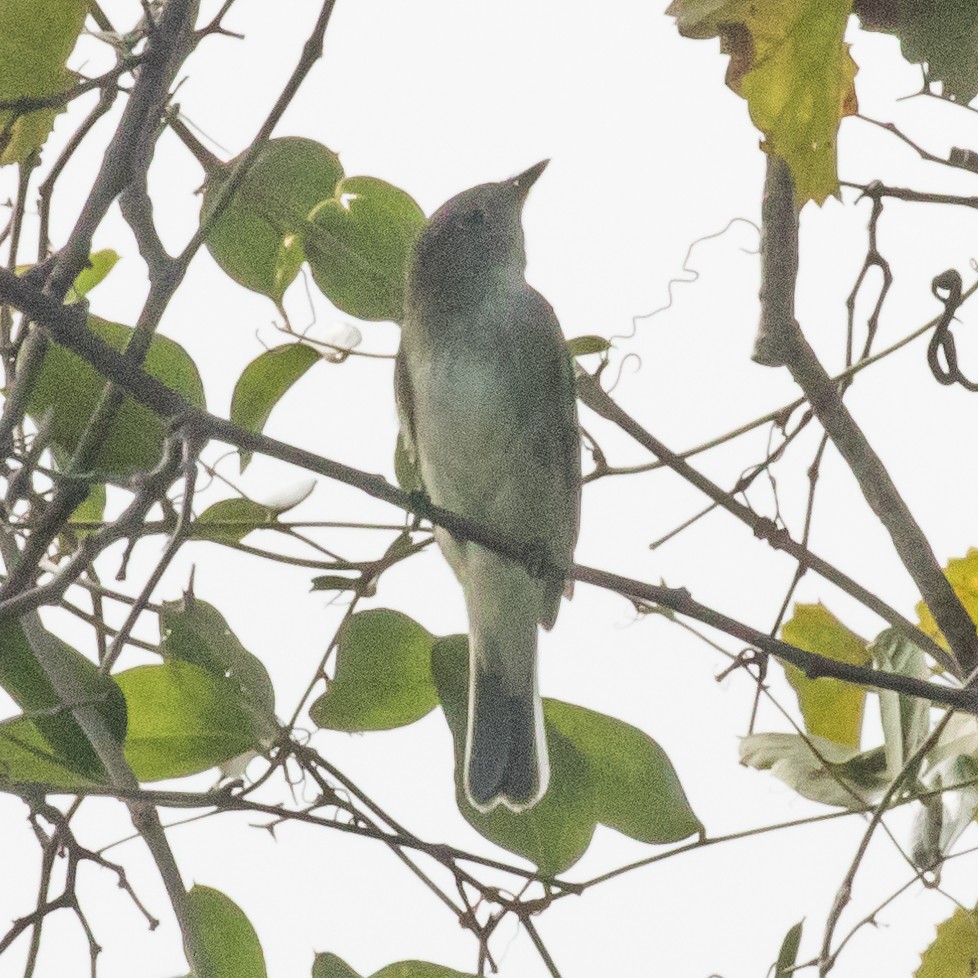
(475, 237)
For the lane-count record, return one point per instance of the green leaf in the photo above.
(951, 770)
(358, 246)
(256, 238)
(91, 509)
(634, 787)
(784, 967)
(832, 709)
(419, 969)
(36, 38)
(23, 642)
(330, 966)
(846, 778)
(263, 384)
(581, 346)
(225, 943)
(790, 62)
(26, 758)
(941, 34)
(955, 949)
(327, 965)
(70, 389)
(601, 770)
(925, 834)
(231, 520)
(335, 582)
(100, 263)
(182, 720)
(194, 631)
(383, 674)
(905, 719)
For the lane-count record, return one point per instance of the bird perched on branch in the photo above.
(485, 390)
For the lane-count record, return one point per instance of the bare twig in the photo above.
(874, 190)
(46, 190)
(540, 946)
(598, 400)
(189, 466)
(827, 958)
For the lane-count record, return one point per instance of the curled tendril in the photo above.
(942, 342)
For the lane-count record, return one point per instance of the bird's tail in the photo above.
(506, 750)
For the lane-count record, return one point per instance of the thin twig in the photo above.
(189, 465)
(540, 946)
(827, 957)
(596, 398)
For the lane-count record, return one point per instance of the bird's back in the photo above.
(492, 418)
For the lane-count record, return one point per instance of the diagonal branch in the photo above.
(598, 400)
(67, 325)
(128, 154)
(870, 473)
(886, 502)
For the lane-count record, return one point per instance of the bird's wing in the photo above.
(402, 397)
(407, 466)
(564, 443)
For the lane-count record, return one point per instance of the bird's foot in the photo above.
(536, 559)
(419, 504)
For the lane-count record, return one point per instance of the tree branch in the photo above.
(67, 326)
(598, 400)
(874, 480)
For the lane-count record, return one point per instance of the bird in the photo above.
(485, 392)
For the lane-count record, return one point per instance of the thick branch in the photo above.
(886, 502)
(128, 154)
(908, 538)
(779, 264)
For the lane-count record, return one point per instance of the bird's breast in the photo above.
(486, 426)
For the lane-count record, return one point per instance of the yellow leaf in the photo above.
(954, 953)
(831, 708)
(962, 572)
(789, 61)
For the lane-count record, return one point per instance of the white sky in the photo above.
(650, 151)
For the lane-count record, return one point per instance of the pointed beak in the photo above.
(527, 178)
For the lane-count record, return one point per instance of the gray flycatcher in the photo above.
(485, 391)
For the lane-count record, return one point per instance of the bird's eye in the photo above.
(475, 218)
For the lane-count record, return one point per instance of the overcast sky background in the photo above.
(650, 152)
